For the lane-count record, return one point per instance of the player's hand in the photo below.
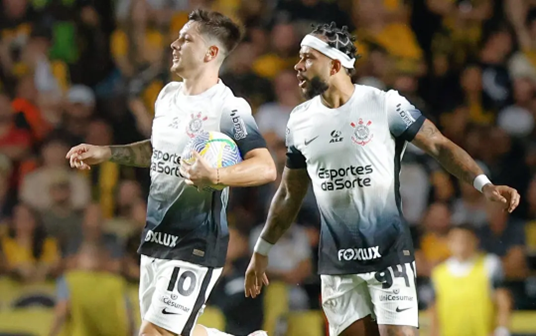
(198, 173)
(83, 156)
(506, 196)
(256, 275)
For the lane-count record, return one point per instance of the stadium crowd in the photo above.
(75, 71)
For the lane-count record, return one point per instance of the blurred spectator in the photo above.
(77, 307)
(31, 255)
(518, 119)
(432, 247)
(60, 219)
(469, 294)
(291, 263)
(504, 236)
(239, 75)
(386, 25)
(27, 104)
(79, 108)
(5, 172)
(462, 26)
(414, 185)
(15, 28)
(283, 54)
(243, 315)
(104, 177)
(37, 184)
(303, 13)
(92, 232)
(15, 142)
(470, 207)
(272, 117)
(131, 260)
(496, 83)
(128, 197)
(523, 19)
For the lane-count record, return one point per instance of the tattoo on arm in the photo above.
(452, 157)
(137, 154)
(286, 203)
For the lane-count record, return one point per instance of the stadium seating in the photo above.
(36, 321)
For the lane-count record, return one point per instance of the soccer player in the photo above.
(348, 140)
(185, 239)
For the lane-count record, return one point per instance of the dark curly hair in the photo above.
(338, 38)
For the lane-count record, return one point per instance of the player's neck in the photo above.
(199, 83)
(337, 94)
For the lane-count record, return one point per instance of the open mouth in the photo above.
(302, 81)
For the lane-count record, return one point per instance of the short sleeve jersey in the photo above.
(352, 155)
(182, 222)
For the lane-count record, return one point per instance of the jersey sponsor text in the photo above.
(166, 163)
(346, 178)
(368, 253)
(161, 238)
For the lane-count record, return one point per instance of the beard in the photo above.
(315, 87)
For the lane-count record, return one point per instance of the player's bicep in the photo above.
(428, 138)
(294, 183)
(405, 120)
(238, 123)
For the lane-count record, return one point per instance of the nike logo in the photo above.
(310, 140)
(398, 310)
(165, 312)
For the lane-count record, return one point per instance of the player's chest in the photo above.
(176, 126)
(342, 137)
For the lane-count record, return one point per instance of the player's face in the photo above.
(189, 49)
(313, 72)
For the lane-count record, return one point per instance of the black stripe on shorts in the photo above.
(201, 297)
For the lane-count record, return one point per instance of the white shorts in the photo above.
(173, 292)
(390, 297)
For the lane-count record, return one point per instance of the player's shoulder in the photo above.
(303, 107)
(232, 104)
(371, 92)
(169, 88)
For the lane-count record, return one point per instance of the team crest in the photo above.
(362, 135)
(196, 124)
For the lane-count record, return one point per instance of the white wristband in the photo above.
(262, 247)
(480, 181)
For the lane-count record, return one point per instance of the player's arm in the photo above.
(137, 154)
(407, 123)
(283, 210)
(451, 156)
(258, 167)
(285, 204)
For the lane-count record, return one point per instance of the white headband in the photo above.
(333, 53)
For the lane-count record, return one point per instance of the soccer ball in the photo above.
(215, 147)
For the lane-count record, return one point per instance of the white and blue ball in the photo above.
(217, 148)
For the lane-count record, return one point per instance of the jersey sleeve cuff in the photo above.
(295, 161)
(410, 133)
(250, 144)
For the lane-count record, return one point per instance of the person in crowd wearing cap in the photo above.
(348, 140)
(185, 239)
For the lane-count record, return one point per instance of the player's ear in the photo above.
(336, 66)
(212, 52)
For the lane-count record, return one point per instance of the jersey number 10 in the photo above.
(185, 288)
